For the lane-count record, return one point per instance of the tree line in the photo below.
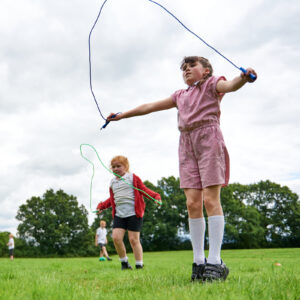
(258, 215)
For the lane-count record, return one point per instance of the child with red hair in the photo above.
(128, 209)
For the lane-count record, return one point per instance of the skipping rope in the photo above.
(252, 76)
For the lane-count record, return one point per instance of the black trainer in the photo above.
(215, 272)
(139, 266)
(108, 258)
(197, 272)
(126, 265)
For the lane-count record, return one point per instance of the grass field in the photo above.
(253, 275)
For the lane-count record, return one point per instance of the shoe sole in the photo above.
(212, 278)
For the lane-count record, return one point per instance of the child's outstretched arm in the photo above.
(144, 109)
(227, 86)
(104, 205)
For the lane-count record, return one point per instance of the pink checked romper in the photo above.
(203, 157)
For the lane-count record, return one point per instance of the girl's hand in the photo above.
(114, 117)
(99, 212)
(246, 76)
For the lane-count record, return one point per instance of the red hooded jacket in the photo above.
(139, 203)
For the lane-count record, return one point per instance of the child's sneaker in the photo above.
(108, 258)
(215, 272)
(126, 265)
(139, 266)
(197, 272)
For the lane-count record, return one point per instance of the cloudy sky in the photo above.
(47, 110)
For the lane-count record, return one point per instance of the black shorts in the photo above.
(132, 223)
(101, 245)
(11, 252)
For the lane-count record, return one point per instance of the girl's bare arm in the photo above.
(144, 109)
(224, 86)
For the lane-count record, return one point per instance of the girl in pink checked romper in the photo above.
(203, 157)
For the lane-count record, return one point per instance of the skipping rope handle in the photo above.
(107, 122)
(252, 76)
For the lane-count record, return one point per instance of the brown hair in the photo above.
(202, 60)
(122, 160)
(102, 222)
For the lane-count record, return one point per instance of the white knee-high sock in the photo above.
(215, 235)
(124, 259)
(197, 232)
(139, 262)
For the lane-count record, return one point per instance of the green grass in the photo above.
(166, 275)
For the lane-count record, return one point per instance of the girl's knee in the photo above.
(194, 198)
(213, 207)
(212, 198)
(192, 204)
(209, 204)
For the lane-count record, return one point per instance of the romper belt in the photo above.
(199, 124)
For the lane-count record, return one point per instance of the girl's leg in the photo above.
(194, 201)
(134, 239)
(215, 222)
(118, 236)
(212, 200)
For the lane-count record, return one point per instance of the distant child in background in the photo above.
(203, 157)
(11, 246)
(128, 209)
(101, 240)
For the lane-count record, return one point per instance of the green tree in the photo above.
(243, 228)
(260, 215)
(21, 248)
(280, 210)
(3, 243)
(55, 223)
(163, 224)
